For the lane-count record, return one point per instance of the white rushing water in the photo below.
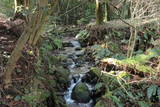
(75, 43)
(67, 96)
(73, 83)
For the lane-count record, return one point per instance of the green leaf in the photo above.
(145, 36)
(117, 101)
(98, 85)
(58, 43)
(143, 104)
(151, 91)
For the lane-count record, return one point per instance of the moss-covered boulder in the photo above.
(81, 93)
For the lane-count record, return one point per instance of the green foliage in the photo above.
(74, 11)
(7, 7)
(98, 85)
(100, 52)
(158, 93)
(88, 14)
(151, 91)
(139, 61)
(112, 100)
(82, 35)
(143, 104)
(58, 43)
(35, 97)
(119, 90)
(47, 46)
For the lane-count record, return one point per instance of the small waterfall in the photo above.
(75, 79)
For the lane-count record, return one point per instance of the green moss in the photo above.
(138, 61)
(96, 71)
(62, 74)
(114, 47)
(81, 93)
(100, 104)
(52, 82)
(81, 88)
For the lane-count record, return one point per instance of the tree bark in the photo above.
(99, 13)
(32, 30)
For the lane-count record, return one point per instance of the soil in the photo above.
(9, 34)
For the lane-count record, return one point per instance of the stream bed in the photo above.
(74, 95)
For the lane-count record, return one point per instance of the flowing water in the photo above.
(77, 73)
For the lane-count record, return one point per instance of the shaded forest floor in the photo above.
(9, 34)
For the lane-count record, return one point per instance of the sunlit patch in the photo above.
(109, 60)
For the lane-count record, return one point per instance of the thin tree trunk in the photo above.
(99, 13)
(32, 30)
(16, 54)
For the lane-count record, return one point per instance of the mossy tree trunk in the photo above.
(32, 33)
(99, 12)
(106, 12)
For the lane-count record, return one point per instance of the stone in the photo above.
(75, 78)
(76, 43)
(67, 44)
(90, 78)
(79, 53)
(81, 93)
(78, 48)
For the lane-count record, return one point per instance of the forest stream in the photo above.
(78, 92)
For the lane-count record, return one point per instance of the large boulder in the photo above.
(81, 93)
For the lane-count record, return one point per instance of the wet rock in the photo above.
(75, 78)
(90, 78)
(74, 105)
(79, 53)
(69, 62)
(81, 93)
(80, 105)
(70, 56)
(67, 44)
(78, 48)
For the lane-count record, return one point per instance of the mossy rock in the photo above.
(96, 71)
(106, 103)
(81, 93)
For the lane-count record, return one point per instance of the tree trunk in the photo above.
(99, 13)
(32, 30)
